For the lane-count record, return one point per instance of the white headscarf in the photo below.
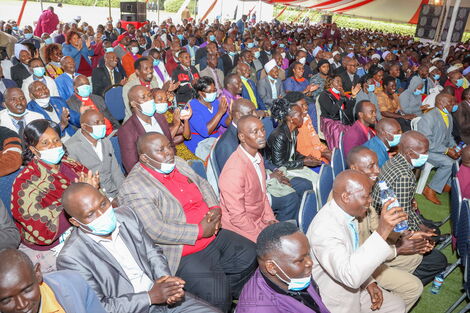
(18, 48)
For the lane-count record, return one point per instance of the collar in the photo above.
(81, 98)
(402, 160)
(157, 175)
(254, 159)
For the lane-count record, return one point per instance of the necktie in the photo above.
(355, 232)
(216, 79)
(20, 128)
(111, 76)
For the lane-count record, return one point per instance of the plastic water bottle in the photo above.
(437, 284)
(460, 146)
(385, 195)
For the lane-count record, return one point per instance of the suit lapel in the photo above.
(87, 146)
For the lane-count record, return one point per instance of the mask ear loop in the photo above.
(287, 283)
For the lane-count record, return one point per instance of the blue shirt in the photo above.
(377, 145)
(198, 123)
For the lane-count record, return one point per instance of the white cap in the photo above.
(270, 65)
(435, 60)
(351, 55)
(18, 48)
(384, 55)
(432, 68)
(375, 56)
(335, 53)
(453, 68)
(315, 51)
(77, 18)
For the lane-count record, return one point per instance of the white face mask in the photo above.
(302, 61)
(135, 50)
(44, 102)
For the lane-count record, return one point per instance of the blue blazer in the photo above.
(58, 104)
(73, 293)
(65, 86)
(376, 145)
(70, 50)
(8, 84)
(261, 105)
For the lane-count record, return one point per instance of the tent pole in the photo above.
(158, 12)
(109, 9)
(451, 28)
(18, 22)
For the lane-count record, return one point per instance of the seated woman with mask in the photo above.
(36, 194)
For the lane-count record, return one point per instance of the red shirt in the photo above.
(89, 102)
(458, 91)
(188, 195)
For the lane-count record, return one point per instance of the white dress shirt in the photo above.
(256, 160)
(153, 127)
(6, 120)
(118, 249)
(98, 148)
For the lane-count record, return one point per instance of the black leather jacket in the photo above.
(279, 148)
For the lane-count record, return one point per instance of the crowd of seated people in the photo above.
(164, 168)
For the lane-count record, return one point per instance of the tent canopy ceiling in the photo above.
(403, 11)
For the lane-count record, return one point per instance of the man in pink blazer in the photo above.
(242, 183)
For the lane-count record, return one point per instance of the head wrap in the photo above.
(375, 56)
(18, 48)
(270, 65)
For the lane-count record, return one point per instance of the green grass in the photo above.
(452, 287)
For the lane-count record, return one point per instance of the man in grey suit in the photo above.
(436, 125)
(212, 71)
(271, 87)
(90, 147)
(117, 258)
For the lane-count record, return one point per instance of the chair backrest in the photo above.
(463, 231)
(455, 168)
(414, 123)
(6, 185)
(115, 102)
(455, 204)
(337, 161)
(325, 184)
(318, 109)
(308, 209)
(117, 151)
(198, 167)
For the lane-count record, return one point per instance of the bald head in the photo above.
(74, 196)
(90, 116)
(351, 192)
(349, 181)
(388, 124)
(245, 123)
(12, 260)
(135, 92)
(412, 140)
(147, 142)
(81, 80)
(356, 154)
(242, 107)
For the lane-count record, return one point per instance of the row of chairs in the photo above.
(315, 199)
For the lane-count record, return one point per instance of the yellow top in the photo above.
(445, 117)
(49, 303)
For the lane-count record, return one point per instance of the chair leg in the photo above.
(456, 303)
(465, 309)
(443, 221)
(444, 244)
(423, 179)
(450, 268)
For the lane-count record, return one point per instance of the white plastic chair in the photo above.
(317, 106)
(423, 178)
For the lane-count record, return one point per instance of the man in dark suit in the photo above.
(119, 261)
(144, 119)
(230, 58)
(103, 77)
(265, 55)
(349, 77)
(20, 71)
(285, 207)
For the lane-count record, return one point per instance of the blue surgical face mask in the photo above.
(180, 36)
(103, 225)
(232, 53)
(165, 168)
(395, 51)
(454, 108)
(99, 131)
(420, 161)
(156, 62)
(15, 28)
(371, 88)
(210, 97)
(148, 108)
(330, 45)
(212, 38)
(161, 107)
(336, 91)
(52, 156)
(48, 41)
(257, 54)
(135, 50)
(84, 91)
(243, 78)
(109, 49)
(28, 36)
(294, 284)
(395, 141)
(459, 82)
(418, 92)
(273, 42)
(39, 71)
(282, 45)
(436, 76)
(250, 45)
(17, 114)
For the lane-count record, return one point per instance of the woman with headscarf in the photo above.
(411, 100)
